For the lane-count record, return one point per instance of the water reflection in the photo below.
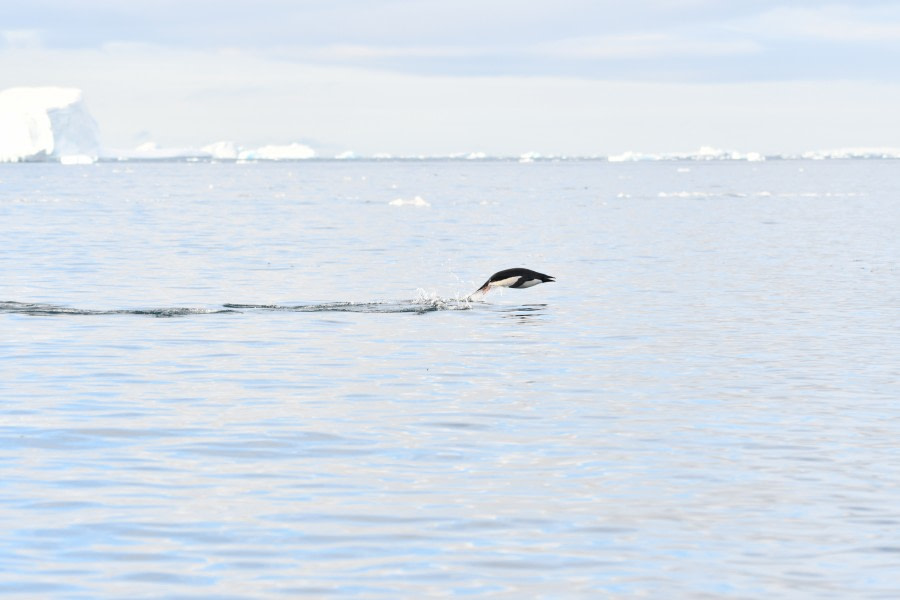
(527, 313)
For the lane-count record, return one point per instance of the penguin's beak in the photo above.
(482, 290)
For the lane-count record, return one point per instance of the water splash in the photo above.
(431, 299)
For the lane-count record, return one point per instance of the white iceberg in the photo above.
(151, 151)
(288, 152)
(225, 150)
(77, 159)
(704, 153)
(47, 123)
(857, 152)
(222, 150)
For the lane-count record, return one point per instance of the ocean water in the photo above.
(264, 380)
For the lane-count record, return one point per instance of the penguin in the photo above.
(514, 278)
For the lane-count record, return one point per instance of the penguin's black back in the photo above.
(524, 274)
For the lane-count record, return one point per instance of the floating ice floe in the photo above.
(47, 124)
(417, 201)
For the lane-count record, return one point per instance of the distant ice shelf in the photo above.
(53, 124)
(219, 151)
(704, 153)
(853, 153)
(273, 152)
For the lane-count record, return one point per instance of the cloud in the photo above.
(500, 76)
(607, 48)
(141, 92)
(361, 52)
(643, 46)
(645, 40)
(832, 23)
(21, 38)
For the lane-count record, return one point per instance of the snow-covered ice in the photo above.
(857, 152)
(53, 124)
(225, 150)
(47, 123)
(289, 152)
(152, 151)
(704, 153)
(222, 150)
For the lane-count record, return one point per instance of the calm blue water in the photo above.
(704, 405)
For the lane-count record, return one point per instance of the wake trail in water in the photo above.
(423, 303)
(37, 309)
(420, 305)
(357, 307)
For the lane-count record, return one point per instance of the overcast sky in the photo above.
(499, 76)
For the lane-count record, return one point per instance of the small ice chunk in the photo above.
(417, 201)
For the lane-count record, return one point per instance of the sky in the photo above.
(505, 77)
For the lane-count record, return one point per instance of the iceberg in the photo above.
(704, 153)
(289, 152)
(222, 150)
(218, 151)
(47, 124)
(150, 151)
(854, 153)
